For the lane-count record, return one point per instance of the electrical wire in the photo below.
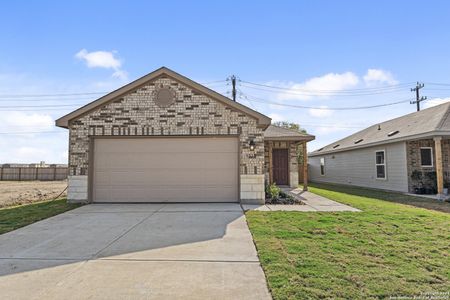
(310, 94)
(389, 87)
(49, 95)
(327, 108)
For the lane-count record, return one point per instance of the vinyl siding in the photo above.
(357, 167)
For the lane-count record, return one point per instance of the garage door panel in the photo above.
(165, 160)
(164, 145)
(150, 170)
(182, 177)
(161, 194)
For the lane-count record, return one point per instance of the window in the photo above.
(322, 166)
(426, 157)
(380, 164)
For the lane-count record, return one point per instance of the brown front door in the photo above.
(280, 166)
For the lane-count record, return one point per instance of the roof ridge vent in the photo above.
(379, 126)
(358, 141)
(335, 146)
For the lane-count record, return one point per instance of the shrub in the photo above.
(272, 191)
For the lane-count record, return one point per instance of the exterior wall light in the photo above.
(252, 145)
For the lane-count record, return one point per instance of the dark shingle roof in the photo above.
(280, 133)
(433, 121)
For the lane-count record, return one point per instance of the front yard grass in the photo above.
(388, 249)
(15, 217)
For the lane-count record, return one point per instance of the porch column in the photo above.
(305, 167)
(439, 166)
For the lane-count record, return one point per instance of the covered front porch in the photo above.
(284, 151)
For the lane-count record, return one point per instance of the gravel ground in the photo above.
(21, 192)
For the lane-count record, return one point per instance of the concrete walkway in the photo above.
(312, 202)
(141, 251)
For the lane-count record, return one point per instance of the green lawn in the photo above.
(389, 249)
(18, 216)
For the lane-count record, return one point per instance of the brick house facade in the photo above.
(196, 111)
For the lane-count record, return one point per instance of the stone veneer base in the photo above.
(77, 191)
(252, 189)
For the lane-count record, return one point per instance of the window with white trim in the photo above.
(380, 164)
(426, 156)
(322, 166)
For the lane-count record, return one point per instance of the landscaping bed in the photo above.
(387, 250)
(274, 195)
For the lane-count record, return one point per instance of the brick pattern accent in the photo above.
(414, 163)
(293, 163)
(136, 114)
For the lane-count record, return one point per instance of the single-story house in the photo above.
(407, 154)
(166, 138)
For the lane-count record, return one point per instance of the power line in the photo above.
(327, 108)
(38, 106)
(335, 94)
(396, 86)
(30, 132)
(49, 95)
(437, 83)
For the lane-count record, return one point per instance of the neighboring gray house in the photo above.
(166, 138)
(406, 154)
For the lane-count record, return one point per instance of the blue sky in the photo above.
(298, 45)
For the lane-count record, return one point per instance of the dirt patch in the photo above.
(21, 192)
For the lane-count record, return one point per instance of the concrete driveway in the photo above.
(136, 251)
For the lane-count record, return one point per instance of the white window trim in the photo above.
(432, 157)
(320, 163)
(383, 164)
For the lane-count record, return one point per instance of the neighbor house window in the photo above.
(380, 164)
(322, 166)
(426, 157)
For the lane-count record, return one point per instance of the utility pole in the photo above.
(233, 84)
(418, 98)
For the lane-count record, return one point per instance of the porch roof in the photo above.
(276, 133)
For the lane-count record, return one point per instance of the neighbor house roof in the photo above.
(263, 120)
(433, 121)
(277, 133)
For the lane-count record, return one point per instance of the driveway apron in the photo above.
(134, 251)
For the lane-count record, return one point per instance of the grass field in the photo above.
(15, 217)
(388, 250)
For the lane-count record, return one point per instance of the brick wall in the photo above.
(136, 114)
(414, 162)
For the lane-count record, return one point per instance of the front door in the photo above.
(280, 161)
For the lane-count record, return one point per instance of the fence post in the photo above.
(54, 173)
(1, 173)
(36, 175)
(20, 173)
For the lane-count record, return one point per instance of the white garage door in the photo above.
(200, 169)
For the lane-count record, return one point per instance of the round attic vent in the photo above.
(165, 97)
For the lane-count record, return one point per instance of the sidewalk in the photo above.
(312, 202)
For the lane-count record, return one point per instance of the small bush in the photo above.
(272, 191)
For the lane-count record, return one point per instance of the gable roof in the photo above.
(276, 133)
(263, 120)
(425, 123)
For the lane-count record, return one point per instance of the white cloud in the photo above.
(320, 113)
(29, 122)
(323, 86)
(121, 74)
(375, 77)
(103, 59)
(435, 101)
(277, 117)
